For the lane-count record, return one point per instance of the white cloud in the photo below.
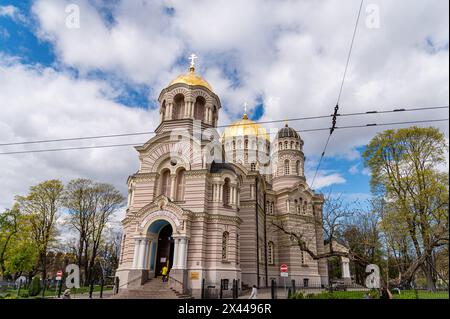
(290, 54)
(12, 12)
(324, 178)
(354, 169)
(40, 103)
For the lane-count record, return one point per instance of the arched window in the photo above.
(297, 168)
(165, 183)
(246, 144)
(181, 181)
(178, 106)
(286, 145)
(298, 145)
(287, 170)
(270, 253)
(199, 113)
(280, 146)
(253, 167)
(225, 237)
(226, 192)
(292, 145)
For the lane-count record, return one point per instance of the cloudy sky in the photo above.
(285, 58)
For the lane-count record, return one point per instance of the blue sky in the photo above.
(106, 76)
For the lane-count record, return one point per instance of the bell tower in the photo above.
(188, 100)
(289, 160)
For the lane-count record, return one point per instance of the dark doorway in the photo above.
(164, 254)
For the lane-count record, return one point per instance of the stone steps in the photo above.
(153, 289)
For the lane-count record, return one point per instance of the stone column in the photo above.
(175, 253)
(142, 247)
(220, 193)
(149, 254)
(136, 253)
(231, 195)
(182, 255)
(173, 187)
(345, 262)
(186, 243)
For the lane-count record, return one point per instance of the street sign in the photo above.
(59, 274)
(283, 268)
(284, 274)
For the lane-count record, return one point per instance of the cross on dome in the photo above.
(192, 58)
(245, 111)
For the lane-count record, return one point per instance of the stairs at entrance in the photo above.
(152, 289)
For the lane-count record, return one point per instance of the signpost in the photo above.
(284, 274)
(58, 278)
(59, 274)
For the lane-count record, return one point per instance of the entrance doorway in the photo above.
(164, 256)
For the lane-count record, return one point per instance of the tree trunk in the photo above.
(428, 270)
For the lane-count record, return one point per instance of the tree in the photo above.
(107, 201)
(9, 221)
(362, 237)
(17, 248)
(79, 199)
(334, 222)
(42, 206)
(403, 164)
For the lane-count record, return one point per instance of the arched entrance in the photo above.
(164, 255)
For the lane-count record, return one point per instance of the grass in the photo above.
(51, 292)
(411, 294)
(405, 294)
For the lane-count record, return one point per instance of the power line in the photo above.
(416, 109)
(299, 131)
(344, 76)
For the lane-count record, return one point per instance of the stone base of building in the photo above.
(131, 278)
(347, 281)
(178, 280)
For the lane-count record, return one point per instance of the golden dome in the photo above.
(191, 78)
(245, 127)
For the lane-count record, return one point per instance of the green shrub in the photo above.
(24, 294)
(35, 287)
(374, 294)
(296, 295)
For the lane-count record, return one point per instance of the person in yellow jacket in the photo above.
(164, 272)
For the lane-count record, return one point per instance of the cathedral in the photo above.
(204, 204)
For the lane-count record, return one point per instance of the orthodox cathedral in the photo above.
(204, 205)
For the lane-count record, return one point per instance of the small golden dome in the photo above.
(245, 127)
(191, 78)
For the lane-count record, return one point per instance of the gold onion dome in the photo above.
(192, 79)
(245, 127)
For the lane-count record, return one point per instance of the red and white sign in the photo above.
(283, 268)
(59, 274)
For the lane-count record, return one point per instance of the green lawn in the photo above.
(49, 293)
(405, 294)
